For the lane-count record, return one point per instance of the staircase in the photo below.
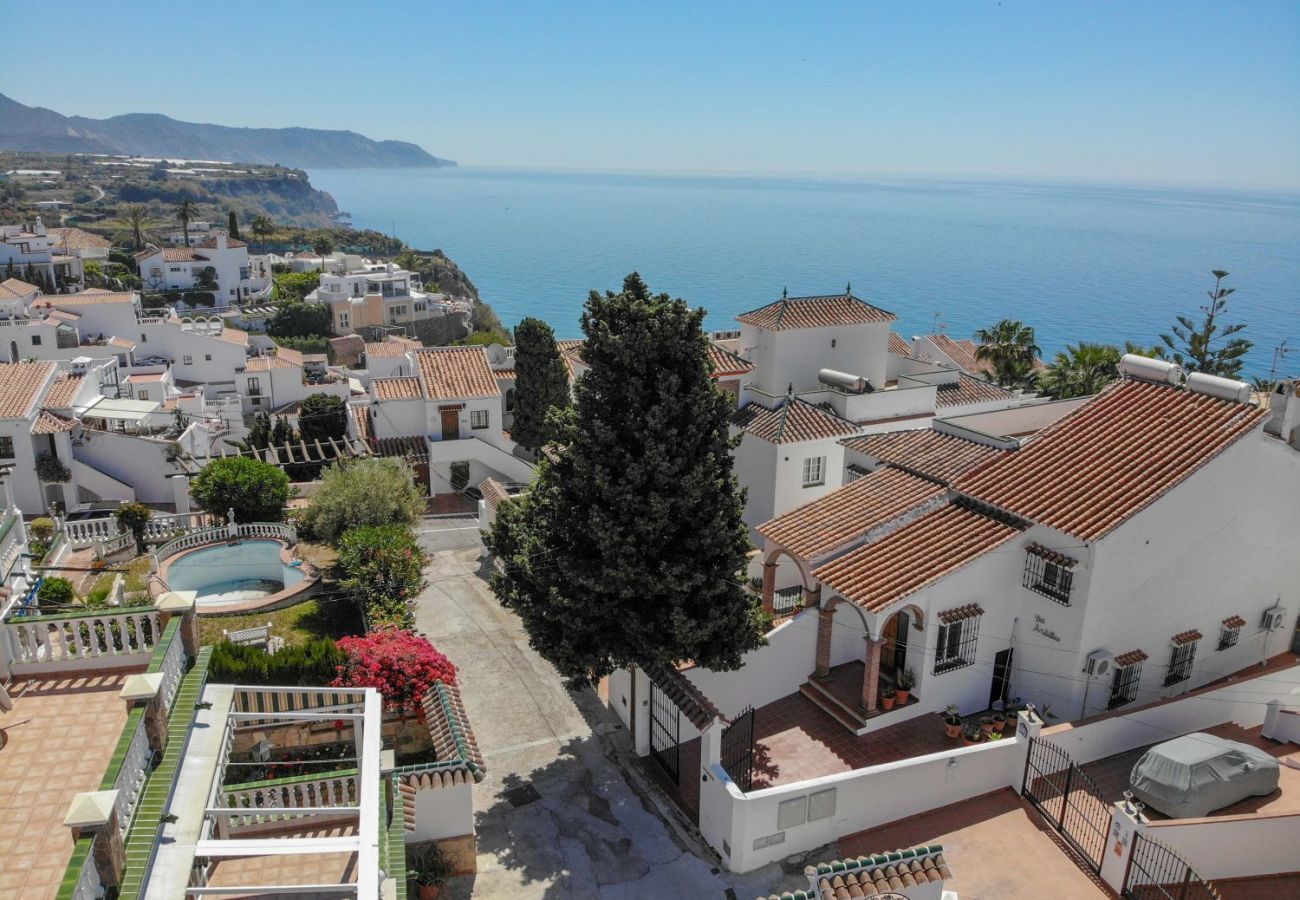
(839, 708)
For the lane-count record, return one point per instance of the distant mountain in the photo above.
(37, 130)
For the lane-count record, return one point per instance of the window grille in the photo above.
(1228, 636)
(1051, 579)
(1123, 689)
(478, 418)
(956, 645)
(1180, 663)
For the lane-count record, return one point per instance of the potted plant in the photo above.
(986, 724)
(428, 868)
(996, 735)
(906, 680)
(887, 697)
(952, 721)
(971, 734)
(999, 721)
(1012, 712)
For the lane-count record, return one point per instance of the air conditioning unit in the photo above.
(1100, 663)
(1273, 618)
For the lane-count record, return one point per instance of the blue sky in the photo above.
(1149, 91)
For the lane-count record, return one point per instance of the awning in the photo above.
(123, 410)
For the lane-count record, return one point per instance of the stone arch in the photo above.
(775, 552)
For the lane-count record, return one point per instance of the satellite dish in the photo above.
(496, 354)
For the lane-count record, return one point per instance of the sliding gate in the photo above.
(1067, 798)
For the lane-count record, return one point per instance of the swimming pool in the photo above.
(233, 573)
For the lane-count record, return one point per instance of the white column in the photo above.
(181, 494)
(1125, 823)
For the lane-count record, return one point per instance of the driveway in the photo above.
(557, 818)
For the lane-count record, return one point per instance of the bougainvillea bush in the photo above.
(400, 664)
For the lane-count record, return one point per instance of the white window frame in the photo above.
(814, 471)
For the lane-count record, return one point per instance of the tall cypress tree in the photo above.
(629, 547)
(541, 382)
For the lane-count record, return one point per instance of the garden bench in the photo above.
(257, 636)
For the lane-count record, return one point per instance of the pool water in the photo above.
(233, 573)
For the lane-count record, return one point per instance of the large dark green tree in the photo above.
(1206, 346)
(255, 490)
(541, 383)
(629, 548)
(323, 416)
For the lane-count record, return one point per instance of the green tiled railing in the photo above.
(142, 838)
(394, 854)
(76, 867)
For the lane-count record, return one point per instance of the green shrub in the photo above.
(41, 529)
(55, 592)
(381, 567)
(255, 490)
(370, 491)
(311, 664)
(97, 598)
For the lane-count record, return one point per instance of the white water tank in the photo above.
(852, 384)
(1147, 369)
(1216, 386)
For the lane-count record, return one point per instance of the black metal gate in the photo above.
(1157, 873)
(665, 728)
(1068, 799)
(738, 749)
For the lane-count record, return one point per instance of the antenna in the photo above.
(1280, 353)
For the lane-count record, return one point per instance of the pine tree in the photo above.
(541, 382)
(629, 547)
(1192, 346)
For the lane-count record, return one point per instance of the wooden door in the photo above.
(450, 424)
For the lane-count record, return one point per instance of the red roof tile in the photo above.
(404, 388)
(1051, 556)
(20, 386)
(834, 520)
(916, 555)
(969, 611)
(898, 346)
(794, 420)
(1112, 457)
(52, 423)
(385, 349)
(1131, 658)
(1186, 637)
(62, 391)
(450, 372)
(962, 353)
(1234, 622)
(925, 451)
(727, 363)
(967, 390)
(814, 312)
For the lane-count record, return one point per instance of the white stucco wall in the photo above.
(796, 356)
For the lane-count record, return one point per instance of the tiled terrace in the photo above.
(996, 846)
(75, 722)
(1112, 773)
(794, 740)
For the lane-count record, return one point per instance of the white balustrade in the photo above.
(173, 667)
(115, 545)
(276, 530)
(82, 640)
(85, 532)
(11, 546)
(130, 778)
(262, 800)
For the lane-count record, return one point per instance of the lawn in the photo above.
(296, 624)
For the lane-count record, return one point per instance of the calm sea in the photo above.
(1097, 263)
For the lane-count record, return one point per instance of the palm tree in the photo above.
(322, 247)
(185, 210)
(1010, 348)
(262, 227)
(136, 224)
(1081, 370)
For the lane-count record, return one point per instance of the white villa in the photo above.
(378, 295)
(236, 275)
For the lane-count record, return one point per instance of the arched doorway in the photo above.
(899, 644)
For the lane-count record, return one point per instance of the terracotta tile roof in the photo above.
(960, 613)
(509, 374)
(211, 243)
(85, 298)
(62, 391)
(52, 423)
(1052, 556)
(79, 239)
(571, 353)
(266, 364)
(14, 289)
(829, 522)
(62, 316)
(1186, 637)
(967, 390)
(685, 695)
(961, 352)
(361, 419)
(20, 387)
(402, 388)
(924, 451)
(1112, 457)
(122, 342)
(289, 355)
(916, 555)
(898, 346)
(884, 873)
(459, 760)
(1131, 658)
(232, 336)
(814, 312)
(385, 349)
(413, 448)
(150, 376)
(727, 363)
(1234, 622)
(794, 420)
(495, 493)
(456, 372)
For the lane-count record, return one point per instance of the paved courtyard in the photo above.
(587, 832)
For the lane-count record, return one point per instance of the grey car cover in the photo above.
(1193, 775)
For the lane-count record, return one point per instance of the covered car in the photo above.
(1195, 774)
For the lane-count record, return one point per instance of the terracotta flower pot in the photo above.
(903, 696)
(953, 729)
(986, 725)
(967, 740)
(428, 891)
(887, 703)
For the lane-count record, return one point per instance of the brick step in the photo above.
(832, 706)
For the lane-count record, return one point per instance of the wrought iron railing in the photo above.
(787, 600)
(1158, 873)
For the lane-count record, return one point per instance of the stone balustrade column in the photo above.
(825, 632)
(769, 587)
(871, 675)
(94, 813)
(146, 689)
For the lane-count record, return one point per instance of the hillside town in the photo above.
(318, 581)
